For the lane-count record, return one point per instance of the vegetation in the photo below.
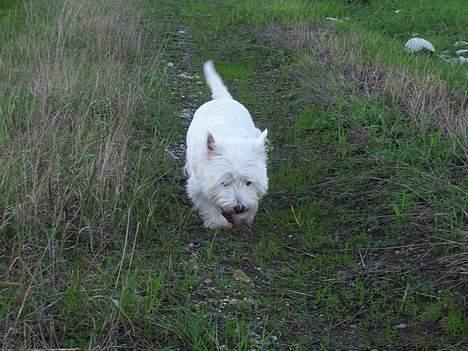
(361, 242)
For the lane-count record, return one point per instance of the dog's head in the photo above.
(235, 175)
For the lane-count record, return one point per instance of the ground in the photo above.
(361, 241)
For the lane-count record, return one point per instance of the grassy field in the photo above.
(361, 242)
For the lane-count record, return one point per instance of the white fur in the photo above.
(226, 158)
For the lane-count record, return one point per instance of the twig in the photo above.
(302, 252)
(362, 259)
(299, 293)
(351, 318)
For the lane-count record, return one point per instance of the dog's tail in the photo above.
(218, 89)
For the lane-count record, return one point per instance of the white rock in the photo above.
(463, 53)
(459, 59)
(461, 43)
(334, 19)
(184, 75)
(418, 44)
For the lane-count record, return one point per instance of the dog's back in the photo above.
(223, 116)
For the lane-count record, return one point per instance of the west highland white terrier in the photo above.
(226, 159)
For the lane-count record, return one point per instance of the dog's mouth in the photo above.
(230, 214)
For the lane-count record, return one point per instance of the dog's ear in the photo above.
(262, 139)
(210, 143)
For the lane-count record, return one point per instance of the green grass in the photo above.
(359, 243)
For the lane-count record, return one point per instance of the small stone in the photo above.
(184, 75)
(208, 281)
(235, 302)
(401, 326)
(170, 64)
(461, 43)
(241, 276)
(458, 60)
(334, 19)
(186, 114)
(462, 53)
(255, 337)
(146, 146)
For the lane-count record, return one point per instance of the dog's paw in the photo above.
(217, 223)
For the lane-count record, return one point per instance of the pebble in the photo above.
(461, 43)
(462, 53)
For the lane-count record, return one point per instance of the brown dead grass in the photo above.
(81, 94)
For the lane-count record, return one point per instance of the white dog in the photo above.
(226, 159)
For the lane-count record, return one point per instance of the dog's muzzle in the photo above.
(238, 209)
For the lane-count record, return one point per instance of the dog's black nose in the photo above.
(239, 208)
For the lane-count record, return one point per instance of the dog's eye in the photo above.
(248, 183)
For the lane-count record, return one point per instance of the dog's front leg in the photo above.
(212, 217)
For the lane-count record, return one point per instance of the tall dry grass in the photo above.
(71, 85)
(70, 92)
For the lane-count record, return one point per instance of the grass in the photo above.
(360, 243)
